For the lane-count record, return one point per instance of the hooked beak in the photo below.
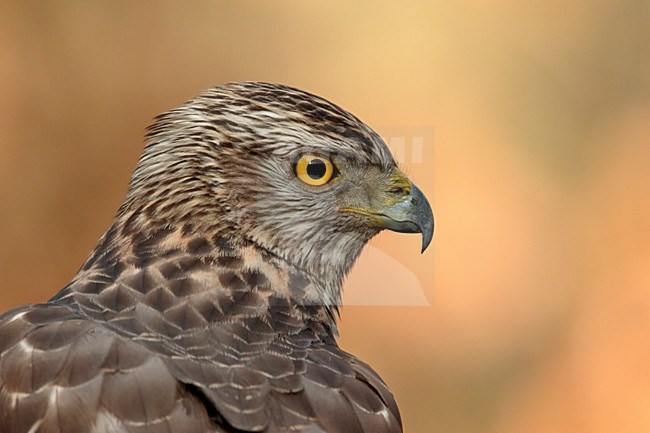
(409, 213)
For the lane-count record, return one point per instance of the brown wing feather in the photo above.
(61, 373)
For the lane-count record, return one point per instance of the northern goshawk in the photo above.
(210, 304)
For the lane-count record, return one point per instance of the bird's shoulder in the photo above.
(60, 372)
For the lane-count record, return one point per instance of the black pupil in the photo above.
(316, 169)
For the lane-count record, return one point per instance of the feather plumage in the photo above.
(210, 303)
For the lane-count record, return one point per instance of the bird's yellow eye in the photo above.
(314, 170)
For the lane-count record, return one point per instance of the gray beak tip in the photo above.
(423, 216)
(427, 233)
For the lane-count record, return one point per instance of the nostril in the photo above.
(398, 190)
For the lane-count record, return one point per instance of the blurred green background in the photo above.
(536, 158)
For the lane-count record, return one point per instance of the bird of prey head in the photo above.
(209, 305)
(286, 170)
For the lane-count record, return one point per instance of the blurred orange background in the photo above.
(535, 156)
